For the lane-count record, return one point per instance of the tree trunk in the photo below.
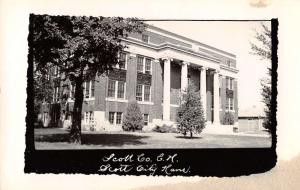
(75, 133)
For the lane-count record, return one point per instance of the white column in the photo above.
(184, 76)
(203, 88)
(166, 98)
(216, 98)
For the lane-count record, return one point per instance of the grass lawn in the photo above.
(56, 138)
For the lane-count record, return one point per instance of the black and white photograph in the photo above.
(114, 83)
(144, 95)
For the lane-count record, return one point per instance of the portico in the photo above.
(184, 78)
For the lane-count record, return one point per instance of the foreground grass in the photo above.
(58, 139)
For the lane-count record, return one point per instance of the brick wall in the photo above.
(114, 107)
(146, 109)
(157, 89)
(131, 81)
(86, 106)
(159, 39)
(100, 93)
(175, 83)
(154, 111)
(131, 77)
(194, 75)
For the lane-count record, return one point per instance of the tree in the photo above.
(191, 115)
(81, 48)
(262, 48)
(228, 118)
(133, 118)
(43, 93)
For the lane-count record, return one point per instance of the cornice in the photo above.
(171, 46)
(229, 69)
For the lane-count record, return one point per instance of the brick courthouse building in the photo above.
(158, 65)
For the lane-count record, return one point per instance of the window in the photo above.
(140, 64)
(147, 93)
(93, 88)
(56, 94)
(229, 83)
(144, 64)
(72, 91)
(115, 118)
(91, 116)
(86, 117)
(119, 118)
(139, 92)
(116, 89)
(145, 38)
(122, 61)
(226, 82)
(45, 116)
(56, 71)
(87, 89)
(146, 119)
(143, 93)
(120, 89)
(111, 117)
(148, 66)
(229, 104)
(111, 88)
(47, 76)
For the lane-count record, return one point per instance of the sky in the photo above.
(233, 37)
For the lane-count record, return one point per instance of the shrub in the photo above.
(228, 119)
(191, 115)
(38, 124)
(165, 129)
(133, 118)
